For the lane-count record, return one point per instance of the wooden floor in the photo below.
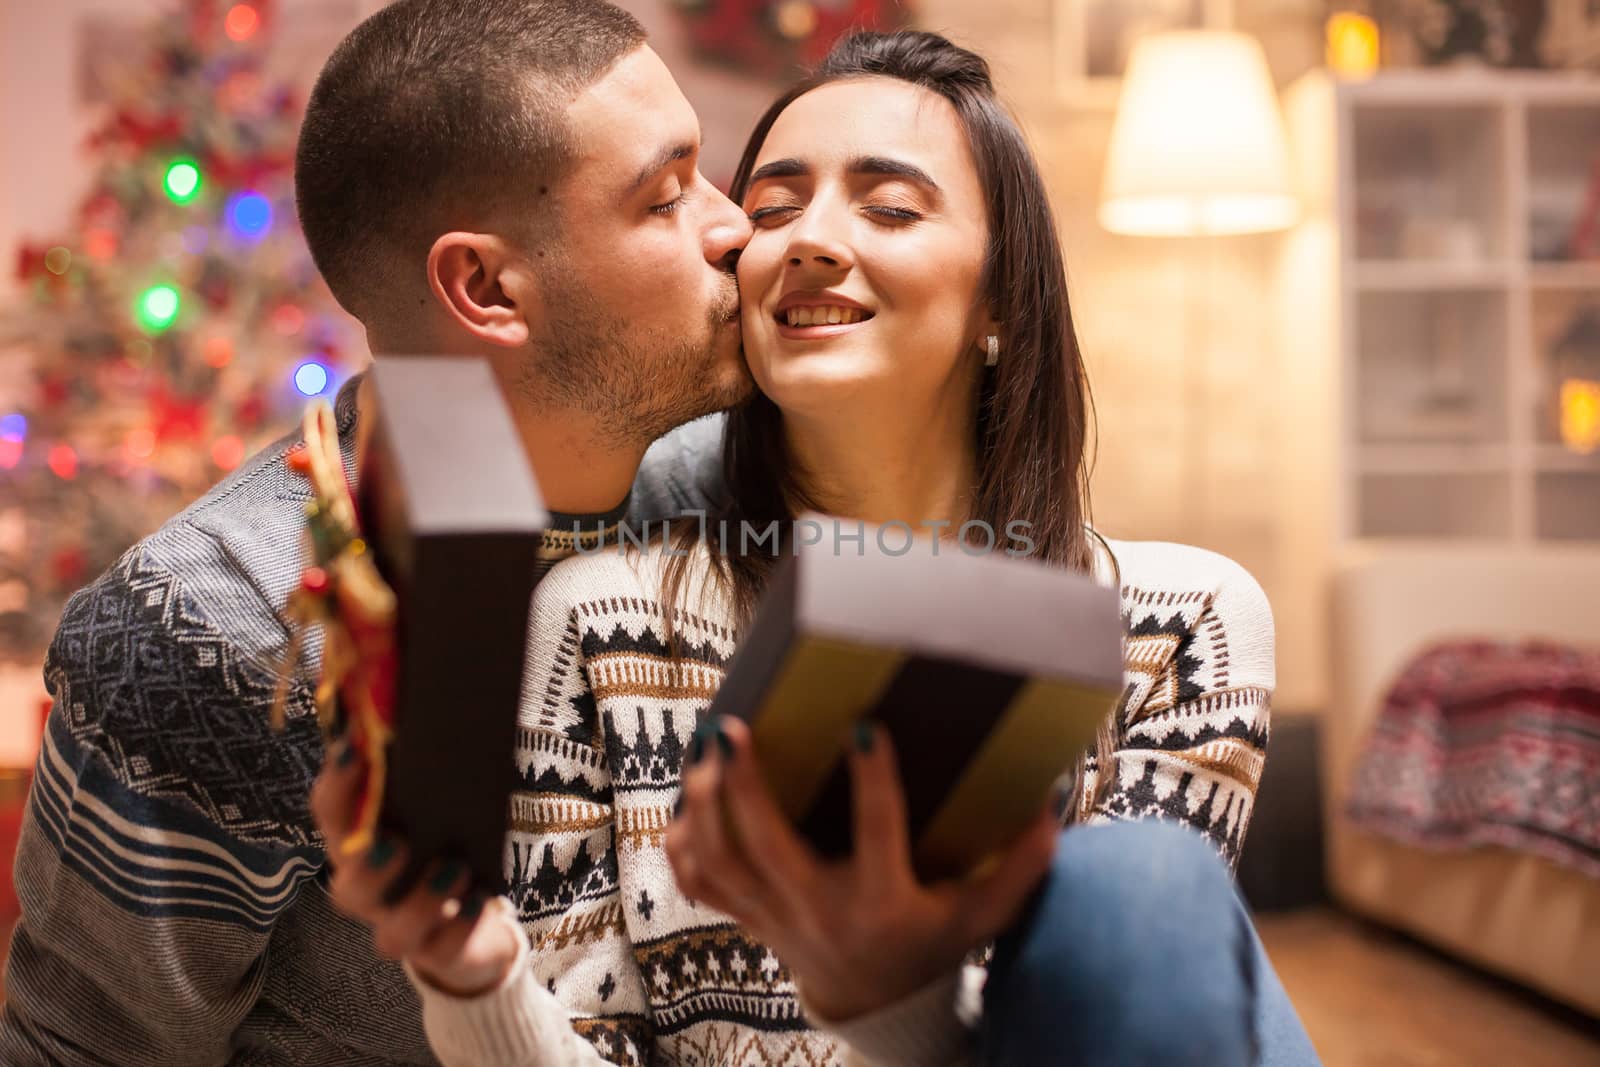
(1370, 998)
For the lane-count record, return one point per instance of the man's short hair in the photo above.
(433, 115)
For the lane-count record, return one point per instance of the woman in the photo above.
(905, 316)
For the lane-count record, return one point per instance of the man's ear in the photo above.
(484, 286)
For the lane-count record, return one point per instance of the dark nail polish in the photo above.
(864, 736)
(677, 806)
(381, 852)
(445, 877)
(724, 743)
(472, 907)
(697, 745)
(1059, 799)
(347, 754)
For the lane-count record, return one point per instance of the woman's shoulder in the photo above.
(1159, 577)
(1169, 567)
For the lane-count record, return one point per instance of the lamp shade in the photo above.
(1198, 145)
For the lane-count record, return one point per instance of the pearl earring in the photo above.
(993, 347)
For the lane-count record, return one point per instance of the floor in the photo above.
(1370, 998)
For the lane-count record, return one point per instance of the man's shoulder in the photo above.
(680, 472)
(220, 569)
(166, 667)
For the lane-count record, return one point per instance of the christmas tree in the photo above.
(176, 329)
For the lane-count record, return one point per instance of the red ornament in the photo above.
(176, 418)
(299, 460)
(30, 261)
(68, 564)
(54, 390)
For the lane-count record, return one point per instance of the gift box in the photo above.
(449, 503)
(991, 674)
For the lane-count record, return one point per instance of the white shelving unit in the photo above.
(1448, 195)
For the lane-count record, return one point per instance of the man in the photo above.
(511, 179)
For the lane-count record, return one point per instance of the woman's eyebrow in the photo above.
(894, 168)
(879, 165)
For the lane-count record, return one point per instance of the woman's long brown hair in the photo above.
(1034, 407)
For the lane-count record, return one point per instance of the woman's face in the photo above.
(860, 282)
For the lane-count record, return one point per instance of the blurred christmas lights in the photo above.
(241, 22)
(311, 378)
(249, 215)
(228, 452)
(63, 462)
(158, 307)
(182, 181)
(218, 352)
(58, 260)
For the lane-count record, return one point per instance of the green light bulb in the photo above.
(158, 307)
(182, 181)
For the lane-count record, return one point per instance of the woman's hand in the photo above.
(856, 935)
(446, 935)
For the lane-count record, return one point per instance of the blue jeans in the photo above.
(1137, 950)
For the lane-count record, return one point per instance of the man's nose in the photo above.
(727, 233)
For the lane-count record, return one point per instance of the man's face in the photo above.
(640, 321)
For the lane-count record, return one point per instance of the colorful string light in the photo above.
(63, 462)
(249, 215)
(241, 22)
(158, 307)
(311, 378)
(182, 181)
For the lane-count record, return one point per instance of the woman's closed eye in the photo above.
(884, 213)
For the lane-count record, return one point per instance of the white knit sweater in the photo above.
(623, 968)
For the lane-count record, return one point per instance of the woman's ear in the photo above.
(484, 286)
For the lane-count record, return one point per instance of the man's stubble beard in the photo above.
(637, 385)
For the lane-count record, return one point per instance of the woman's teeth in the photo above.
(825, 316)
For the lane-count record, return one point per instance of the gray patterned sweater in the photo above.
(173, 910)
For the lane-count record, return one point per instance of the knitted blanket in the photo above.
(1486, 742)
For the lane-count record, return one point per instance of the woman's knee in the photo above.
(1133, 865)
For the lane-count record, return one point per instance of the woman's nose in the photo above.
(812, 247)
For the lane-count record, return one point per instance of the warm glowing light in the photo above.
(1352, 45)
(241, 22)
(797, 19)
(182, 182)
(228, 452)
(1580, 415)
(217, 351)
(158, 307)
(58, 260)
(10, 453)
(311, 378)
(1197, 147)
(63, 462)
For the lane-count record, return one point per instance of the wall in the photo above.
(1187, 356)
